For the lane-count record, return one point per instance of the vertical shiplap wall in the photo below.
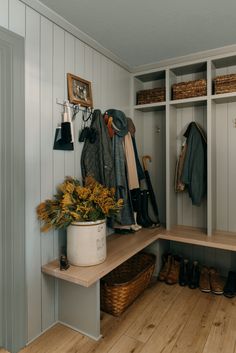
(51, 52)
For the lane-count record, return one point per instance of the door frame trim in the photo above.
(13, 193)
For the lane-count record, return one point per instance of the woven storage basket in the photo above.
(225, 84)
(122, 286)
(153, 95)
(189, 89)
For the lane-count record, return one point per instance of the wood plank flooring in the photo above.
(164, 319)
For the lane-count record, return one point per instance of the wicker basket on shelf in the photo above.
(189, 89)
(122, 286)
(153, 95)
(224, 84)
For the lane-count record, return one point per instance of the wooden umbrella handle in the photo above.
(144, 159)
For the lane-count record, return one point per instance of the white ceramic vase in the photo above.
(86, 243)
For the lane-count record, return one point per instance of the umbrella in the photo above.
(150, 188)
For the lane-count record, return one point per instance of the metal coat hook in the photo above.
(75, 107)
(157, 130)
(234, 123)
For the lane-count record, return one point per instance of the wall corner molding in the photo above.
(202, 55)
(13, 307)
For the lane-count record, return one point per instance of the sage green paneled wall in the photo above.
(51, 52)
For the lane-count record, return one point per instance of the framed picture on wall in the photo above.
(79, 91)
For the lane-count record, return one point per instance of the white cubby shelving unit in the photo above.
(162, 126)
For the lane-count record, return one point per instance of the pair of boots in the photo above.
(170, 270)
(211, 281)
(140, 205)
(189, 275)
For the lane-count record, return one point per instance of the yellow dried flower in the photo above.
(70, 187)
(66, 200)
(77, 203)
(83, 192)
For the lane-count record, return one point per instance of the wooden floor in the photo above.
(164, 319)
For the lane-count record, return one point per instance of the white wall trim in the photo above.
(199, 56)
(94, 338)
(61, 22)
(42, 333)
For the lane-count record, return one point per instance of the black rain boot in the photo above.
(184, 272)
(230, 286)
(144, 208)
(194, 276)
(137, 206)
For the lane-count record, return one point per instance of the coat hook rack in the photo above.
(75, 107)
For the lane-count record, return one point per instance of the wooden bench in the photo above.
(79, 287)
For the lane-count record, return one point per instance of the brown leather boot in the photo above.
(204, 281)
(173, 275)
(216, 281)
(167, 260)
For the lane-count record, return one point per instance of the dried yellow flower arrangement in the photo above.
(76, 203)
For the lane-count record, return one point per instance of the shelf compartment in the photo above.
(189, 102)
(149, 81)
(186, 74)
(225, 62)
(197, 236)
(150, 107)
(222, 67)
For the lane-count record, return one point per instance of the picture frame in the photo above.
(79, 91)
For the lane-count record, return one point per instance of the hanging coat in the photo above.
(194, 173)
(97, 158)
(133, 180)
(126, 215)
(120, 125)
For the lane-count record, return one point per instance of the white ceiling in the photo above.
(146, 31)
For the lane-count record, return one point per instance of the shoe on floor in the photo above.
(216, 281)
(184, 272)
(230, 286)
(204, 281)
(166, 264)
(194, 276)
(173, 275)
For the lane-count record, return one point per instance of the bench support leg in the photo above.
(79, 308)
